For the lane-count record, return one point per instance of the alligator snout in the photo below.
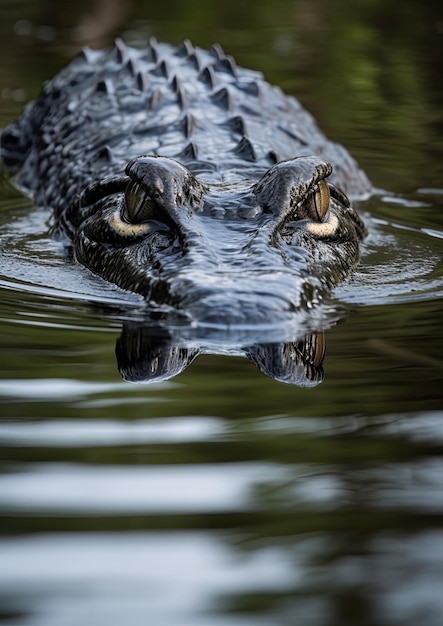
(242, 299)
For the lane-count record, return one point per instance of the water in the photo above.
(222, 496)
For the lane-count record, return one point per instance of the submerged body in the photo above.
(181, 177)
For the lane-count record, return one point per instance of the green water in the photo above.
(221, 496)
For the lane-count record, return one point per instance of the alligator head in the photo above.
(230, 253)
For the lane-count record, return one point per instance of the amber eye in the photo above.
(320, 201)
(139, 205)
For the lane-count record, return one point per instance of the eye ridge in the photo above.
(339, 195)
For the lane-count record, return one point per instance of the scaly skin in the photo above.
(179, 176)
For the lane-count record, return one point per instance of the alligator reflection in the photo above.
(152, 354)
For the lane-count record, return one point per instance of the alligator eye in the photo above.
(319, 201)
(139, 204)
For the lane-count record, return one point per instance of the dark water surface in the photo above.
(222, 496)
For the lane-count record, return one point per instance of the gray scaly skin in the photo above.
(179, 176)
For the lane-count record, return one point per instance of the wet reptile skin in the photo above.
(180, 176)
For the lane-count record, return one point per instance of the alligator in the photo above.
(175, 174)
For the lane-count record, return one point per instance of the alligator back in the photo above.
(107, 107)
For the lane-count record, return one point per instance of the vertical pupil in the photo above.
(321, 200)
(135, 200)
